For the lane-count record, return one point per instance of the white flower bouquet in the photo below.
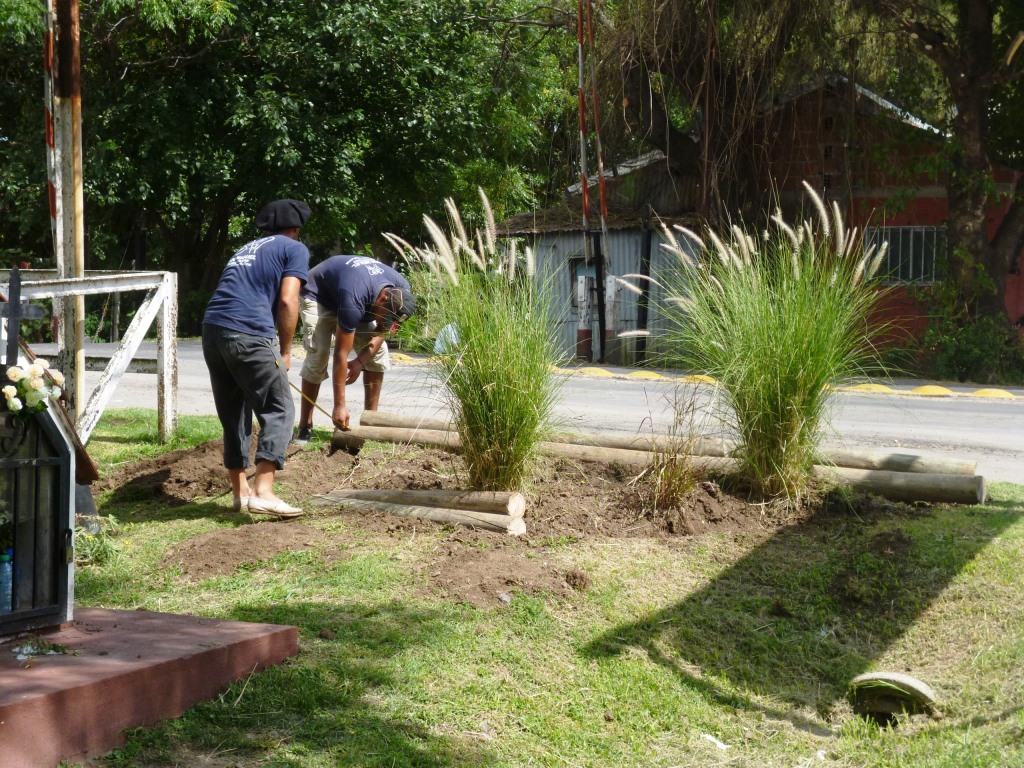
(29, 389)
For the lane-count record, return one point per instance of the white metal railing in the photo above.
(160, 304)
(915, 253)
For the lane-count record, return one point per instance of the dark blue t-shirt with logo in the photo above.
(349, 285)
(246, 296)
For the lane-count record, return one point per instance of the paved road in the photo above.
(964, 426)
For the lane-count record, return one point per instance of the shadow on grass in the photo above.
(138, 504)
(332, 704)
(800, 615)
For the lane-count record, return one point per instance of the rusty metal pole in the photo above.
(70, 249)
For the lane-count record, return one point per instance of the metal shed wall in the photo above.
(622, 249)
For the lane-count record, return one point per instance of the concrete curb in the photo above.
(924, 390)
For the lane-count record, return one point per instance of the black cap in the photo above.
(282, 214)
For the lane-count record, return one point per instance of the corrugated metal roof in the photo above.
(563, 218)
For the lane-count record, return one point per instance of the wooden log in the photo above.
(699, 446)
(509, 503)
(432, 437)
(898, 486)
(896, 462)
(450, 441)
(385, 419)
(910, 486)
(634, 458)
(346, 441)
(513, 526)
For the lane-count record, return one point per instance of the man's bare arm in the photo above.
(288, 316)
(355, 367)
(343, 342)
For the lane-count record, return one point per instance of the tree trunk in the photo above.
(978, 291)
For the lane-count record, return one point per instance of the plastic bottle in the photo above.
(6, 583)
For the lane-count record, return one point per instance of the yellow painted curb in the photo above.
(401, 357)
(698, 378)
(869, 388)
(644, 375)
(931, 390)
(996, 393)
(594, 371)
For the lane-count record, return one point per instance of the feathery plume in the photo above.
(879, 257)
(455, 218)
(490, 228)
(512, 256)
(822, 211)
(629, 286)
(725, 254)
(840, 230)
(741, 241)
(692, 235)
(788, 230)
(648, 278)
(683, 302)
(440, 239)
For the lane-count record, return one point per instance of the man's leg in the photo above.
(309, 394)
(373, 369)
(372, 381)
(318, 324)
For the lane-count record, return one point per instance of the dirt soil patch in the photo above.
(567, 502)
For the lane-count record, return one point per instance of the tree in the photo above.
(693, 75)
(971, 43)
(196, 113)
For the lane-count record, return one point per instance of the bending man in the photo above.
(355, 300)
(258, 289)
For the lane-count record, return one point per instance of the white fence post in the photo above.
(160, 304)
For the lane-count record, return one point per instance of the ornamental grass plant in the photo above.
(778, 321)
(495, 362)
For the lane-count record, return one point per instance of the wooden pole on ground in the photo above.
(910, 486)
(699, 446)
(705, 446)
(450, 441)
(897, 462)
(899, 486)
(508, 503)
(513, 526)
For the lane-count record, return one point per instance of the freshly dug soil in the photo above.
(567, 502)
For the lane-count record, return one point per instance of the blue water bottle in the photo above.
(6, 583)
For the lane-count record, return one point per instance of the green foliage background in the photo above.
(195, 114)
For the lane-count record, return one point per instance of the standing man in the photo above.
(356, 300)
(258, 289)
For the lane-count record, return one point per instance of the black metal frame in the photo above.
(42, 539)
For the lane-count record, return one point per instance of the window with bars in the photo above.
(915, 254)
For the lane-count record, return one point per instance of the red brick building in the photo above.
(882, 165)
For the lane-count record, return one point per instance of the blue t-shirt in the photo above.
(246, 296)
(349, 285)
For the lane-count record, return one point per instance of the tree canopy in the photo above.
(196, 113)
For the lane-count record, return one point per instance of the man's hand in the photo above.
(354, 369)
(286, 359)
(340, 417)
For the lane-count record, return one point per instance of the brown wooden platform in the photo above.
(123, 669)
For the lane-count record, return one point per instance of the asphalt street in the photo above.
(965, 424)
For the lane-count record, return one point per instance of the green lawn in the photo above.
(673, 652)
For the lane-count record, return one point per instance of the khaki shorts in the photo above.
(318, 325)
